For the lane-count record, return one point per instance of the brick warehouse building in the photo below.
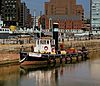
(63, 7)
(67, 13)
(65, 22)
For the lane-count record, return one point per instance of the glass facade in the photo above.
(95, 15)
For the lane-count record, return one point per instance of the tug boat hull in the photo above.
(32, 58)
(35, 58)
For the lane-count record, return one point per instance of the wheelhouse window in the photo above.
(43, 42)
(47, 41)
(52, 42)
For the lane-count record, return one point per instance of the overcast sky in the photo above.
(39, 5)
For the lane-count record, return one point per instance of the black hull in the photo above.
(44, 57)
(48, 58)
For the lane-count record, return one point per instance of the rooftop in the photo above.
(64, 17)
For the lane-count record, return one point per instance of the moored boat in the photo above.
(44, 53)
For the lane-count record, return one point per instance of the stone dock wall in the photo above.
(10, 53)
(91, 45)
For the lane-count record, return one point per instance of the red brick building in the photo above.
(63, 7)
(65, 22)
(67, 13)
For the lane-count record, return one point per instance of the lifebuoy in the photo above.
(45, 48)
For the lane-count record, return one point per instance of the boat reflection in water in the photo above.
(47, 75)
(43, 76)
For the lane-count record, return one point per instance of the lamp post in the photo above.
(90, 15)
(90, 31)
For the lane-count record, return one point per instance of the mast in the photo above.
(34, 19)
(40, 23)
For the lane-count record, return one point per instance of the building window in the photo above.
(5, 15)
(5, 10)
(13, 6)
(93, 6)
(5, 1)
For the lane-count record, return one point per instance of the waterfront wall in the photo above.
(91, 45)
(10, 53)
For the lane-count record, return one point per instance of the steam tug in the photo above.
(46, 51)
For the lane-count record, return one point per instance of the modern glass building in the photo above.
(95, 15)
